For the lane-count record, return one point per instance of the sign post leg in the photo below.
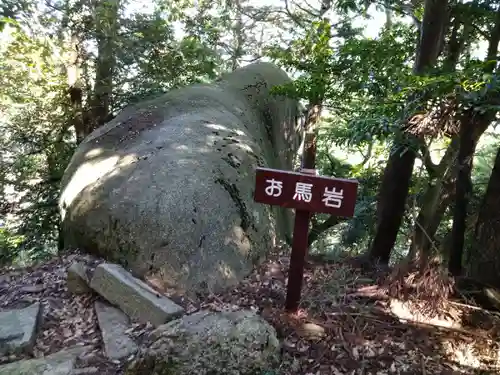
(300, 233)
(307, 193)
(297, 260)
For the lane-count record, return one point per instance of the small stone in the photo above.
(77, 279)
(19, 328)
(114, 324)
(311, 331)
(59, 363)
(133, 296)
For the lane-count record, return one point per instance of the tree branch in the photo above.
(432, 169)
(368, 154)
(405, 10)
(292, 16)
(484, 34)
(319, 228)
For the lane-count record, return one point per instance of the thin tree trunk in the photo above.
(69, 36)
(472, 123)
(441, 189)
(422, 244)
(391, 202)
(388, 14)
(106, 24)
(397, 175)
(431, 208)
(238, 37)
(484, 263)
(472, 128)
(463, 191)
(75, 88)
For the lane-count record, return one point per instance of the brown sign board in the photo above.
(335, 196)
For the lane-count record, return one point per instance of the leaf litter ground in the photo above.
(346, 324)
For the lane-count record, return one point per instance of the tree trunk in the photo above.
(427, 222)
(484, 264)
(472, 128)
(463, 190)
(433, 205)
(388, 14)
(106, 28)
(69, 35)
(397, 175)
(238, 37)
(391, 202)
(472, 124)
(318, 228)
(432, 210)
(75, 88)
(441, 189)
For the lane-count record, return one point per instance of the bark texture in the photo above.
(435, 201)
(484, 262)
(472, 125)
(397, 174)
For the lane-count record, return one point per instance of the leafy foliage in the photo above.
(364, 86)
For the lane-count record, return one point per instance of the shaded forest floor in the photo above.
(346, 324)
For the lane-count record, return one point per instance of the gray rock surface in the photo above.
(113, 324)
(133, 296)
(60, 363)
(206, 342)
(77, 279)
(166, 188)
(10, 328)
(18, 329)
(86, 371)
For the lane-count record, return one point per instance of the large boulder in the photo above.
(166, 188)
(206, 342)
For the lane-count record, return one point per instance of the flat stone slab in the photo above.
(18, 329)
(10, 328)
(133, 296)
(113, 324)
(60, 363)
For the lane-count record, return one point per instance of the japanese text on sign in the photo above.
(305, 191)
(275, 187)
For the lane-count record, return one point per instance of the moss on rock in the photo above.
(209, 343)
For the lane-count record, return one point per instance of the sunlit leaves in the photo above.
(9, 243)
(153, 59)
(35, 115)
(312, 57)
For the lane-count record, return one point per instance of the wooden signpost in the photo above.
(306, 193)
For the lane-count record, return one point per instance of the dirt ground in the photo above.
(345, 325)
